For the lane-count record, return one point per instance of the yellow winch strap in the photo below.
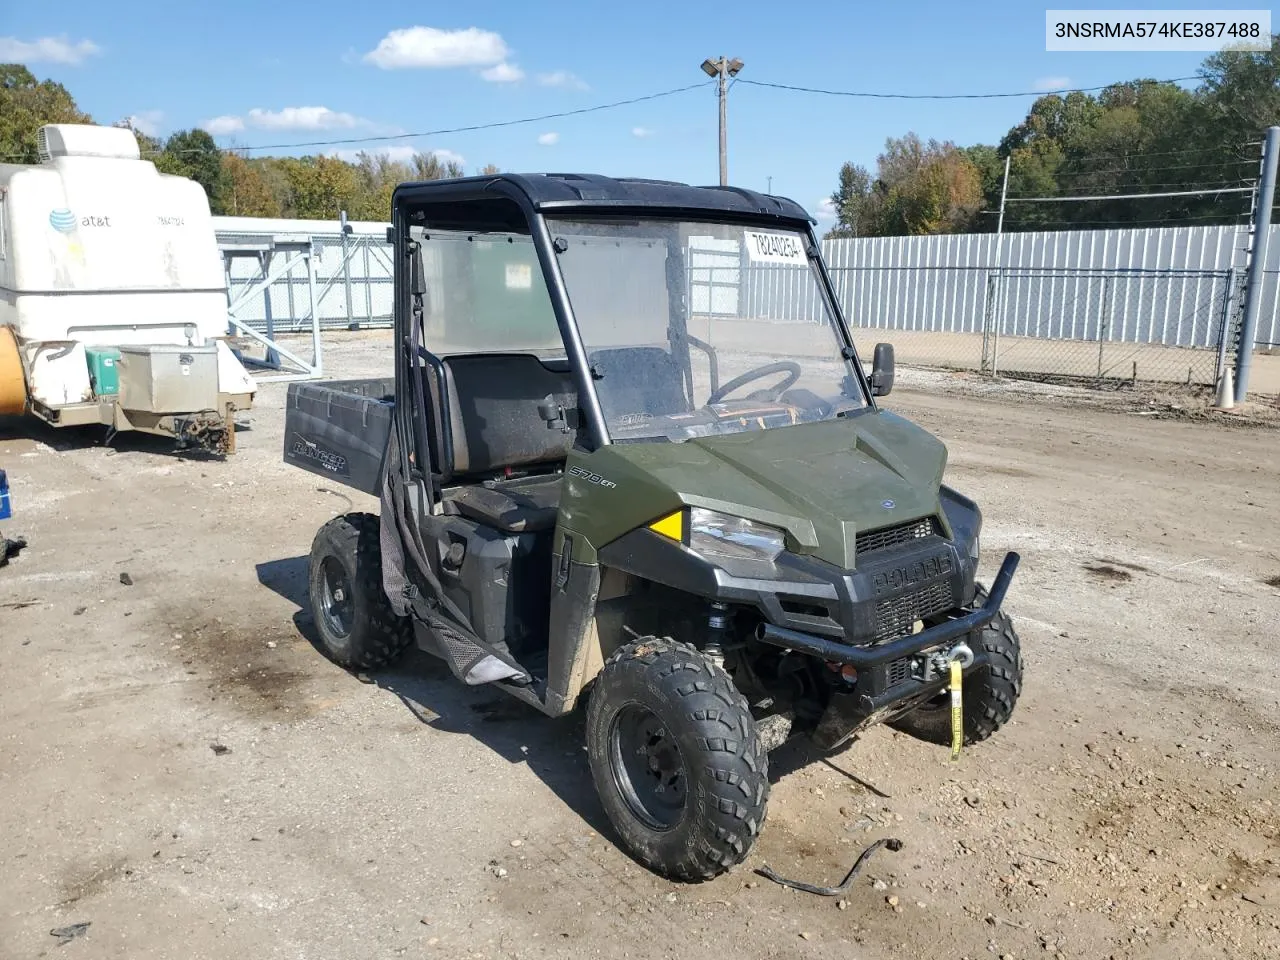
(957, 709)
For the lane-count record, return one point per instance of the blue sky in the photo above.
(263, 73)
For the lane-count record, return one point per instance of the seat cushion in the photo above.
(512, 506)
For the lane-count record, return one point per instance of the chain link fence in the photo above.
(1100, 326)
(1089, 326)
(351, 276)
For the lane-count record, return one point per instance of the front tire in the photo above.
(990, 692)
(357, 627)
(676, 760)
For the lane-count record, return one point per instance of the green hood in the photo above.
(821, 482)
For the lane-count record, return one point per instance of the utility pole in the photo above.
(770, 190)
(1257, 261)
(723, 69)
(993, 333)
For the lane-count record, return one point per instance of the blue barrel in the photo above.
(5, 511)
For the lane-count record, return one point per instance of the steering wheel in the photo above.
(791, 368)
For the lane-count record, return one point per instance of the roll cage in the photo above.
(520, 203)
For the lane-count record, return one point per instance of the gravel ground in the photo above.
(182, 770)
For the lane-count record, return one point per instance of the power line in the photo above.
(1131, 196)
(1140, 156)
(470, 128)
(1240, 181)
(940, 96)
(1160, 153)
(1126, 222)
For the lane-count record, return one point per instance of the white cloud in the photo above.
(825, 210)
(303, 118)
(562, 78)
(47, 50)
(1052, 83)
(432, 47)
(224, 125)
(642, 132)
(503, 73)
(548, 139)
(448, 156)
(148, 121)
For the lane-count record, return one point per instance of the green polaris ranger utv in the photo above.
(630, 458)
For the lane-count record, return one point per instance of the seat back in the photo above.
(493, 412)
(642, 380)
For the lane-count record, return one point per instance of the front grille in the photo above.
(894, 617)
(893, 536)
(898, 671)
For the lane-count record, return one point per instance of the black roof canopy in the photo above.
(568, 192)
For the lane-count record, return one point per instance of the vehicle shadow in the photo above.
(552, 749)
(64, 439)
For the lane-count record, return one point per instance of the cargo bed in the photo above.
(339, 429)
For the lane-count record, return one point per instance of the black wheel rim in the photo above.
(648, 768)
(337, 607)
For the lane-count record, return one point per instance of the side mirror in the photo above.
(882, 370)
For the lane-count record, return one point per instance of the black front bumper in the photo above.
(881, 654)
(888, 681)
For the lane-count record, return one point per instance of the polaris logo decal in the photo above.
(590, 477)
(928, 569)
(310, 450)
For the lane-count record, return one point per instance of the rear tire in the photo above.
(676, 760)
(990, 692)
(357, 627)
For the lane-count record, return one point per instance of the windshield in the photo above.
(694, 329)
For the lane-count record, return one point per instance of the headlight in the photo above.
(715, 534)
(973, 547)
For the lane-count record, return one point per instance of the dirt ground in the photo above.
(182, 770)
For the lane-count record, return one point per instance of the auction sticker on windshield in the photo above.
(775, 248)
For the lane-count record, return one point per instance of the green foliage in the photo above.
(193, 154)
(918, 188)
(26, 105)
(1140, 136)
(247, 188)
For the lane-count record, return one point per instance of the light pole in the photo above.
(723, 68)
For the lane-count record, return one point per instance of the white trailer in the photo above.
(113, 297)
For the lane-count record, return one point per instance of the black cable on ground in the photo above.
(890, 843)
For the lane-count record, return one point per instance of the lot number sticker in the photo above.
(775, 248)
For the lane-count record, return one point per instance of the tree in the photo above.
(919, 188)
(244, 189)
(428, 166)
(850, 199)
(193, 154)
(25, 106)
(1240, 92)
(321, 187)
